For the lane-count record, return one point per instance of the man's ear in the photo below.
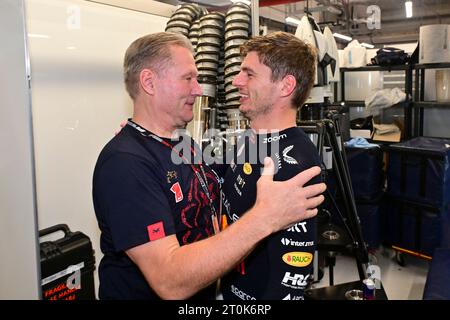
(147, 81)
(288, 85)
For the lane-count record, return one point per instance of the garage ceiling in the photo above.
(350, 17)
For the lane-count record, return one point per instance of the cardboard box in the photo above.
(390, 137)
(363, 133)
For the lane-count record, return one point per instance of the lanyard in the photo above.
(203, 180)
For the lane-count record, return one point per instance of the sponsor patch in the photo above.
(297, 259)
(247, 168)
(156, 231)
(176, 189)
(289, 297)
(278, 160)
(171, 175)
(298, 227)
(286, 157)
(274, 138)
(241, 294)
(240, 181)
(295, 281)
(294, 243)
(239, 185)
(239, 192)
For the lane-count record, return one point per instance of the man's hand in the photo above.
(281, 204)
(122, 124)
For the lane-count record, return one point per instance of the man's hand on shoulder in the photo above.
(121, 125)
(281, 204)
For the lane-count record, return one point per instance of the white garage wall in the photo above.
(78, 99)
(18, 232)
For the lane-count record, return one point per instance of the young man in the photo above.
(156, 217)
(276, 76)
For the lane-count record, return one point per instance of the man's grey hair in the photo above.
(151, 51)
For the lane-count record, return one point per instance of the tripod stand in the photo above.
(327, 134)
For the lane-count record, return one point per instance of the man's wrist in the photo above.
(260, 225)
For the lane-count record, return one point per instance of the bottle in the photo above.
(369, 289)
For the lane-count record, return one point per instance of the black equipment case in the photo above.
(418, 206)
(366, 172)
(67, 265)
(365, 167)
(418, 170)
(412, 227)
(367, 175)
(369, 218)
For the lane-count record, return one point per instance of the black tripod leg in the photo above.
(345, 187)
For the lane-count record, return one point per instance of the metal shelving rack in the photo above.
(408, 90)
(418, 105)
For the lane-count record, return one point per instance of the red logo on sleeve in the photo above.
(176, 189)
(156, 231)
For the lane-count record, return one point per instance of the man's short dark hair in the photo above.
(285, 55)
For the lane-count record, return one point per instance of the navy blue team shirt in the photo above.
(140, 195)
(281, 265)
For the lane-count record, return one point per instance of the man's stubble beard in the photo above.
(253, 114)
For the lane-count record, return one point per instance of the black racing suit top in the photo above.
(281, 265)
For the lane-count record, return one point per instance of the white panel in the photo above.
(435, 122)
(360, 85)
(430, 85)
(19, 271)
(79, 99)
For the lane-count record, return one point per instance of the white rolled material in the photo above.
(434, 43)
